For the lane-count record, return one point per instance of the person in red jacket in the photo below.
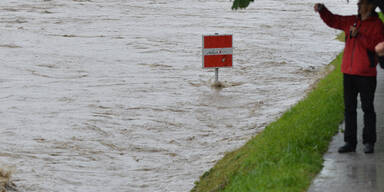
(363, 32)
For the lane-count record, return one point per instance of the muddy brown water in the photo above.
(110, 95)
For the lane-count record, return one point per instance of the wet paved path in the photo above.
(355, 172)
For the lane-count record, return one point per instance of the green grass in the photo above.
(287, 155)
(341, 37)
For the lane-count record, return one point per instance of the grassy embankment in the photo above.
(288, 154)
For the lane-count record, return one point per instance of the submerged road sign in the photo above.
(217, 51)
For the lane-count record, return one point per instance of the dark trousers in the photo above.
(366, 86)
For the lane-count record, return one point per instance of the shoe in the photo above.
(369, 148)
(347, 148)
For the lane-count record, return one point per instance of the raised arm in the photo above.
(332, 20)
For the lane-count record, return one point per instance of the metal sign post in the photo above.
(216, 75)
(217, 52)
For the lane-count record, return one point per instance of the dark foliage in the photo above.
(241, 4)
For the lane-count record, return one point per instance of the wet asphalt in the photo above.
(355, 172)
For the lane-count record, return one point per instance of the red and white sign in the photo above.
(217, 51)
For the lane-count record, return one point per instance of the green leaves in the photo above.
(241, 4)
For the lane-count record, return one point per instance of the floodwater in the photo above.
(109, 95)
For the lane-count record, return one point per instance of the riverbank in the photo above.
(287, 155)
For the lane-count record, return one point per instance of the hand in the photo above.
(353, 31)
(318, 7)
(380, 49)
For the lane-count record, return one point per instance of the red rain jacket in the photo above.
(359, 52)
